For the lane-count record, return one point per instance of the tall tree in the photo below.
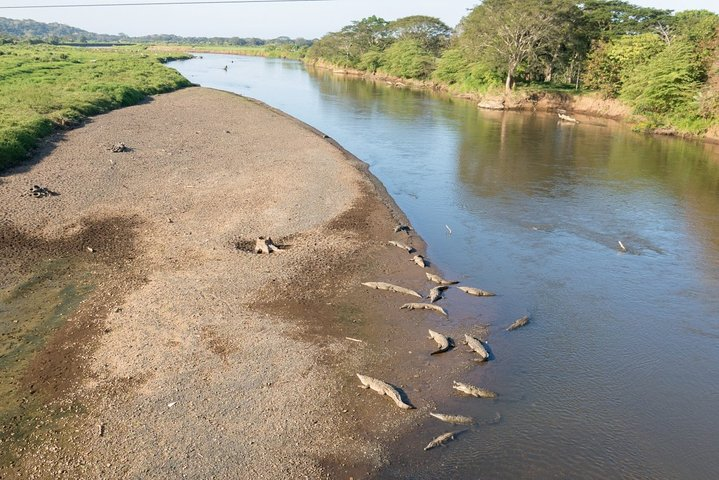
(613, 18)
(370, 33)
(512, 32)
(429, 32)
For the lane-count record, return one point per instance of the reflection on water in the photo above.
(616, 376)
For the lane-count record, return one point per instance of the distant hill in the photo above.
(59, 33)
(50, 32)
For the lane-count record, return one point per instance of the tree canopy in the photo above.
(430, 33)
(660, 62)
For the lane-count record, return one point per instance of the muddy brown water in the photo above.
(616, 374)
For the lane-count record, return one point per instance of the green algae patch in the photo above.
(29, 315)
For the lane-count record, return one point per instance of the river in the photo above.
(617, 374)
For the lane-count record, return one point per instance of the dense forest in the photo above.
(665, 65)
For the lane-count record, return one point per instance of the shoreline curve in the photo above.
(187, 354)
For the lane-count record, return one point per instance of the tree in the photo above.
(347, 47)
(370, 33)
(336, 48)
(511, 32)
(569, 48)
(613, 18)
(430, 33)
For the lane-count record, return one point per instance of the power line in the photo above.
(144, 4)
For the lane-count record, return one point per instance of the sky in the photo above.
(262, 20)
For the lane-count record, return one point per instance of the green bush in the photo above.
(370, 61)
(610, 62)
(407, 59)
(666, 84)
(453, 68)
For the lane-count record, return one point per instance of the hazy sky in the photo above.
(267, 20)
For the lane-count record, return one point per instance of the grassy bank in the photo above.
(43, 87)
(290, 51)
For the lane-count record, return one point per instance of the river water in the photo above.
(617, 375)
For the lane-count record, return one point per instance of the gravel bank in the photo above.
(184, 356)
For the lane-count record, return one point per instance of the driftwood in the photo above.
(424, 306)
(476, 346)
(474, 391)
(442, 341)
(442, 439)
(520, 322)
(477, 292)
(439, 280)
(455, 419)
(265, 245)
(384, 388)
(402, 246)
(391, 288)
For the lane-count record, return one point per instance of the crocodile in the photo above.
(439, 280)
(476, 346)
(520, 322)
(425, 306)
(436, 293)
(477, 292)
(384, 388)
(419, 260)
(442, 340)
(402, 246)
(391, 288)
(442, 439)
(474, 391)
(402, 228)
(455, 419)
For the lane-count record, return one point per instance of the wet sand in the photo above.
(176, 352)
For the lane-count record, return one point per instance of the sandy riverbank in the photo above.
(179, 354)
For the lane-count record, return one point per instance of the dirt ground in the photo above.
(184, 356)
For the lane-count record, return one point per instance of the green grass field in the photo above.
(272, 51)
(43, 87)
